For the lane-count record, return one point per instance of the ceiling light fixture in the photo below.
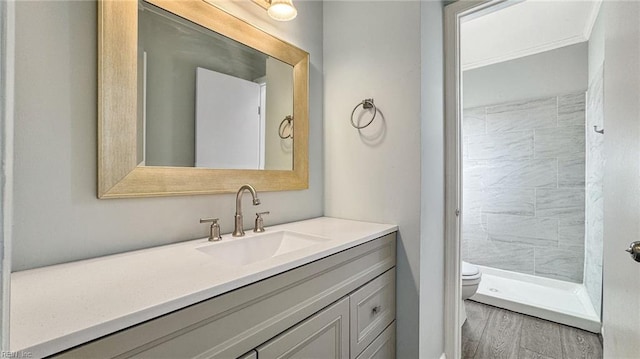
(280, 10)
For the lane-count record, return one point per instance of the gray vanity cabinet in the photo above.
(334, 307)
(323, 336)
(250, 355)
(383, 347)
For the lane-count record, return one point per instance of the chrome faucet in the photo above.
(239, 230)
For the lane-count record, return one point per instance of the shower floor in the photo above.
(550, 299)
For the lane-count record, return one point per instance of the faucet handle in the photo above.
(214, 230)
(259, 226)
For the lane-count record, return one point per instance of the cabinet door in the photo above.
(250, 355)
(325, 335)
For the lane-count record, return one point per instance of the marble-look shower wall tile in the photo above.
(560, 142)
(593, 277)
(521, 120)
(508, 145)
(522, 194)
(510, 173)
(507, 256)
(472, 207)
(521, 226)
(528, 241)
(508, 121)
(571, 172)
(472, 202)
(524, 173)
(473, 174)
(474, 231)
(560, 263)
(571, 110)
(516, 201)
(595, 100)
(465, 148)
(473, 121)
(595, 158)
(472, 216)
(518, 116)
(559, 203)
(594, 235)
(595, 141)
(543, 117)
(595, 213)
(571, 231)
(523, 105)
(464, 248)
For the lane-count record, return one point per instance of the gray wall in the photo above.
(372, 50)
(432, 182)
(524, 186)
(595, 55)
(594, 215)
(57, 217)
(545, 74)
(279, 103)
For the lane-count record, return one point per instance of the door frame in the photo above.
(7, 85)
(620, 292)
(453, 14)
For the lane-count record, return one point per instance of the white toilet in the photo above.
(471, 277)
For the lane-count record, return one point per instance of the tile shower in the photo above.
(594, 236)
(524, 186)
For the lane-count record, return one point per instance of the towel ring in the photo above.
(366, 104)
(286, 123)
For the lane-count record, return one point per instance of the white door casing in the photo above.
(621, 282)
(621, 275)
(7, 81)
(453, 164)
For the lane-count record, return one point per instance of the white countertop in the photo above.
(58, 307)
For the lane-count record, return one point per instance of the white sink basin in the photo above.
(242, 251)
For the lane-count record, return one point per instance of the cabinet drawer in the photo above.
(323, 336)
(372, 310)
(383, 347)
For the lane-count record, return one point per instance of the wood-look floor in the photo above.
(492, 333)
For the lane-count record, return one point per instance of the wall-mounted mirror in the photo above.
(193, 100)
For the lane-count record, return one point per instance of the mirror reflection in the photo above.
(208, 101)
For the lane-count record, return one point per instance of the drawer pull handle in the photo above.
(376, 309)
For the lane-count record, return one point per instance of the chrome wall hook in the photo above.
(595, 128)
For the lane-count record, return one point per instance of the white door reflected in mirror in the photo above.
(229, 127)
(241, 129)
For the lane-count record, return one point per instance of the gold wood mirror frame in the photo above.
(119, 174)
